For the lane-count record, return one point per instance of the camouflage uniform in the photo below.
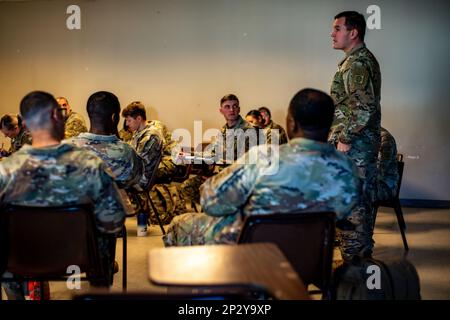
(127, 167)
(166, 167)
(75, 125)
(24, 137)
(190, 189)
(282, 136)
(65, 175)
(388, 176)
(164, 194)
(148, 144)
(311, 176)
(356, 91)
(125, 136)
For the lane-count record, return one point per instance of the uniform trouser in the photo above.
(358, 242)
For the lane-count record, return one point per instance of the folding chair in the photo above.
(146, 193)
(40, 243)
(395, 203)
(306, 239)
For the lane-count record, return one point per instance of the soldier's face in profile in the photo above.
(10, 133)
(132, 123)
(255, 122)
(340, 35)
(266, 118)
(230, 110)
(58, 124)
(64, 105)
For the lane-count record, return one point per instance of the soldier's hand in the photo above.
(343, 147)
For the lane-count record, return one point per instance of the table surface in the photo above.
(260, 264)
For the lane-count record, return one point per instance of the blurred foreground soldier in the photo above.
(11, 126)
(75, 123)
(307, 175)
(388, 177)
(269, 125)
(52, 174)
(356, 90)
(127, 167)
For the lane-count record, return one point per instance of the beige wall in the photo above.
(181, 56)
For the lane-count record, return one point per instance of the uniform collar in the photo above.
(101, 137)
(309, 144)
(355, 49)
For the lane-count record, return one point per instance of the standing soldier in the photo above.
(75, 123)
(356, 89)
(12, 127)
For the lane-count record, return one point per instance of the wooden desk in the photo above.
(261, 264)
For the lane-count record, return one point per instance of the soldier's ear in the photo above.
(353, 34)
(291, 124)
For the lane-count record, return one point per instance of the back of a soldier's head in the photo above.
(103, 107)
(135, 109)
(310, 114)
(40, 111)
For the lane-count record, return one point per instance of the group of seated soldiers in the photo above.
(306, 174)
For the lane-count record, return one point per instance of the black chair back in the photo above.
(40, 243)
(306, 239)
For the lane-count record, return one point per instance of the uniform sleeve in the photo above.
(149, 149)
(362, 101)
(74, 127)
(225, 193)
(137, 170)
(108, 207)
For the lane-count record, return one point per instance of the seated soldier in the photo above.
(311, 176)
(148, 143)
(255, 118)
(269, 126)
(127, 167)
(125, 134)
(74, 122)
(388, 176)
(49, 173)
(11, 126)
(234, 132)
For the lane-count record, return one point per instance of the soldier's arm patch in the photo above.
(358, 77)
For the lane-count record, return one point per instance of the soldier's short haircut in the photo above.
(254, 113)
(229, 97)
(265, 109)
(36, 109)
(312, 109)
(102, 105)
(354, 20)
(135, 109)
(10, 122)
(62, 98)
